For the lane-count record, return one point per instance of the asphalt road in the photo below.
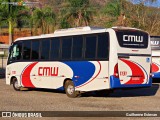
(144, 99)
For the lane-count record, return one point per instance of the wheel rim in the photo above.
(70, 89)
(16, 85)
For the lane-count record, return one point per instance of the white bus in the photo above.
(81, 59)
(155, 46)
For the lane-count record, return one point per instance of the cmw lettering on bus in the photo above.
(155, 42)
(132, 38)
(48, 71)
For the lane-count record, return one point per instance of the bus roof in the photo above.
(73, 31)
(67, 32)
(125, 28)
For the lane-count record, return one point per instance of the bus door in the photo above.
(15, 56)
(134, 57)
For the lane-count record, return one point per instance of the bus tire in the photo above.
(70, 89)
(15, 84)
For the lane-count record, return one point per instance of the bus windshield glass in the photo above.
(132, 39)
(155, 42)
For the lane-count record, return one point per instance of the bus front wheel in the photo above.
(15, 84)
(70, 89)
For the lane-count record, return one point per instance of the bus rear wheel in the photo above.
(15, 84)
(70, 89)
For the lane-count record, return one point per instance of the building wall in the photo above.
(4, 38)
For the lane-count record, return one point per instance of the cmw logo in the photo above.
(154, 42)
(132, 38)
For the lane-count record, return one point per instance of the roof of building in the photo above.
(4, 46)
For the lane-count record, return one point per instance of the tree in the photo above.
(115, 9)
(44, 18)
(76, 13)
(124, 13)
(11, 14)
(140, 14)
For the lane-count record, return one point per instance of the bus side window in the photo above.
(103, 46)
(55, 46)
(66, 48)
(77, 48)
(16, 52)
(45, 49)
(35, 50)
(90, 50)
(26, 50)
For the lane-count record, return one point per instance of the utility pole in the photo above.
(9, 9)
(10, 23)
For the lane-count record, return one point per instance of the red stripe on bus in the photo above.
(155, 67)
(26, 81)
(136, 71)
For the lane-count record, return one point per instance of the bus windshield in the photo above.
(132, 39)
(155, 42)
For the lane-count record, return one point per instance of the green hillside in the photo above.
(47, 15)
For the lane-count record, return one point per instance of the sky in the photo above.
(155, 4)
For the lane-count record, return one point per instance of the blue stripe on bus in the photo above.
(60, 88)
(156, 75)
(84, 70)
(115, 83)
